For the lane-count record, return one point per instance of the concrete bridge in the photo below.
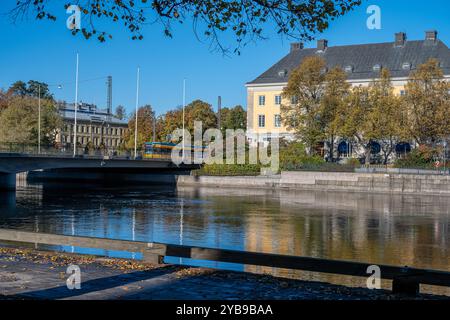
(85, 168)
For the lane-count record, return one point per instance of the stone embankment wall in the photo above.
(332, 181)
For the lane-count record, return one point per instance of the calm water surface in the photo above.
(380, 229)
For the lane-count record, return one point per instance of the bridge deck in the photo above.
(15, 163)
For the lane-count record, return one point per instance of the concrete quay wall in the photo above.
(332, 181)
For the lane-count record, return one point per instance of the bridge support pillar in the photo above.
(7, 181)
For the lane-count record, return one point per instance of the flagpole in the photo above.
(184, 105)
(75, 129)
(136, 116)
(39, 120)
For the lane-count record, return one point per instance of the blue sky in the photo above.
(45, 51)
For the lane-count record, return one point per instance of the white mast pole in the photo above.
(184, 105)
(76, 108)
(136, 116)
(39, 120)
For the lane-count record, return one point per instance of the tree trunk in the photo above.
(332, 148)
(386, 157)
(368, 150)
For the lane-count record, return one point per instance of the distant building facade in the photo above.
(362, 64)
(96, 127)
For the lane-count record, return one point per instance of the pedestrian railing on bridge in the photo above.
(405, 279)
(64, 151)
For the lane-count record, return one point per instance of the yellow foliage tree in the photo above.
(428, 104)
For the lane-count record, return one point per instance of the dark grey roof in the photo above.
(362, 58)
(90, 113)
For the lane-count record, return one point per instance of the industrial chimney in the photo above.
(109, 95)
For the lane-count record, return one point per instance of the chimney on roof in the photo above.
(296, 46)
(322, 44)
(400, 39)
(431, 35)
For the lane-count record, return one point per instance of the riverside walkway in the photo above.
(31, 274)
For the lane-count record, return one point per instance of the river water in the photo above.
(379, 229)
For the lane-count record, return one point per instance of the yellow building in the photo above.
(362, 63)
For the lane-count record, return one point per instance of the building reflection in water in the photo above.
(379, 229)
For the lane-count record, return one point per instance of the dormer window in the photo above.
(406, 66)
(377, 67)
(282, 73)
(348, 69)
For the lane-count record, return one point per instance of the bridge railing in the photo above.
(64, 151)
(405, 279)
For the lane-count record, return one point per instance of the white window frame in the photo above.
(278, 100)
(263, 117)
(262, 98)
(275, 123)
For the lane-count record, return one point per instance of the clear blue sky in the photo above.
(45, 51)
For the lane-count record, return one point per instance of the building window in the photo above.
(277, 99)
(277, 121)
(261, 121)
(262, 100)
(377, 67)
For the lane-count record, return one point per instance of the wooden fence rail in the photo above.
(405, 279)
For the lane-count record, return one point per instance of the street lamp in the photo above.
(39, 115)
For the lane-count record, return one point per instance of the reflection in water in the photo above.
(380, 229)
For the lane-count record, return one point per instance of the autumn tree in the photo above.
(372, 114)
(18, 88)
(145, 119)
(303, 94)
(336, 90)
(353, 120)
(120, 112)
(387, 115)
(31, 89)
(3, 100)
(428, 103)
(19, 121)
(233, 118)
(197, 110)
(244, 20)
(36, 88)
